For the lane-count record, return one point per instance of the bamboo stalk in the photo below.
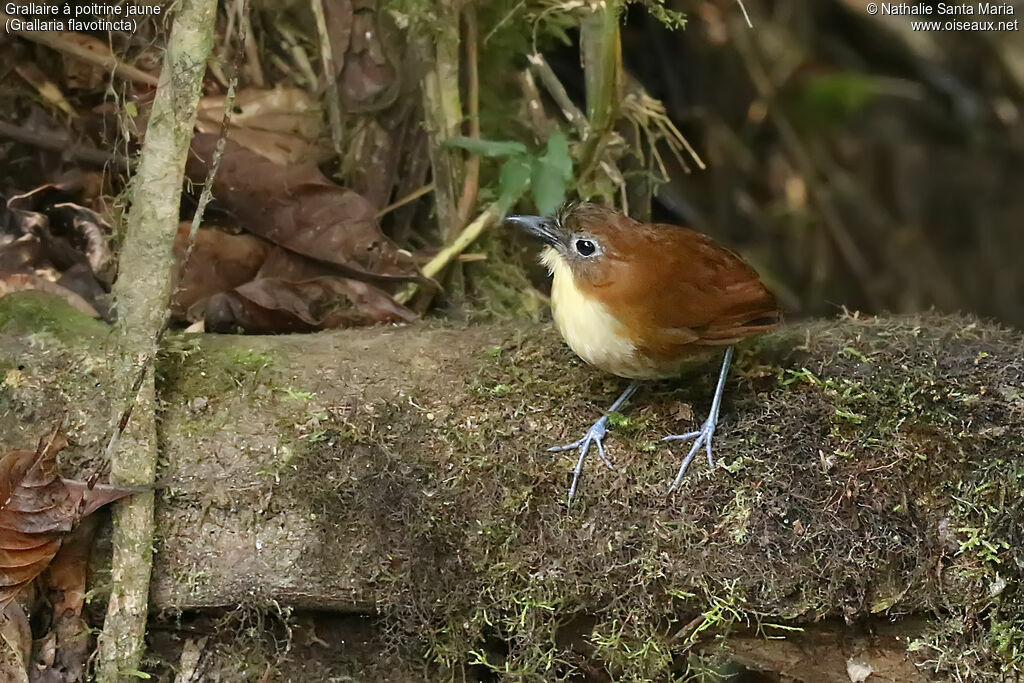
(142, 291)
(601, 46)
(437, 45)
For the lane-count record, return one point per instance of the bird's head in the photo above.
(587, 238)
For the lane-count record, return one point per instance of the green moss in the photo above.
(192, 371)
(37, 312)
(826, 482)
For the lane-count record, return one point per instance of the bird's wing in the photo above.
(696, 292)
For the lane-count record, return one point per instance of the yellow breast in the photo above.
(589, 328)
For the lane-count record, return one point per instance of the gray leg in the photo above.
(707, 431)
(594, 435)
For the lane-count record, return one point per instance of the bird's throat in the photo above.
(586, 324)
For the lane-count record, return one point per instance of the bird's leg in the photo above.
(702, 437)
(594, 436)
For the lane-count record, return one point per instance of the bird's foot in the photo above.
(595, 436)
(701, 437)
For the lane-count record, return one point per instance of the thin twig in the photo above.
(56, 41)
(471, 177)
(745, 15)
(411, 197)
(61, 143)
(558, 93)
(452, 251)
(330, 82)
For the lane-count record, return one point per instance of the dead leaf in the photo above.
(22, 255)
(16, 645)
(37, 509)
(367, 79)
(218, 263)
(62, 236)
(283, 125)
(91, 231)
(62, 656)
(280, 109)
(338, 17)
(271, 305)
(285, 292)
(297, 208)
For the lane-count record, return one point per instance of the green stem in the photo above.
(602, 65)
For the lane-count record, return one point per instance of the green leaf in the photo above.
(513, 181)
(830, 99)
(551, 175)
(486, 148)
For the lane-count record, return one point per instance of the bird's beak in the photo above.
(538, 226)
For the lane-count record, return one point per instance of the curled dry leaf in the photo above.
(297, 208)
(57, 235)
(61, 655)
(368, 78)
(367, 48)
(240, 282)
(37, 509)
(338, 16)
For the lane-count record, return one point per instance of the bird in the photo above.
(644, 301)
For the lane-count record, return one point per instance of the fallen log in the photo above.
(868, 469)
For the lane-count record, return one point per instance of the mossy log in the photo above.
(869, 470)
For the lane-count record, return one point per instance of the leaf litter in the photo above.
(44, 523)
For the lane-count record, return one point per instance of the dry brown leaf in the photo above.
(338, 17)
(62, 655)
(90, 232)
(297, 208)
(37, 509)
(270, 305)
(239, 282)
(367, 79)
(15, 644)
(284, 125)
(280, 109)
(219, 262)
(22, 255)
(72, 239)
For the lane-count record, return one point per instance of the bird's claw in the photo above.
(595, 435)
(702, 437)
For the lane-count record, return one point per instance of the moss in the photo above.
(498, 287)
(41, 313)
(53, 360)
(865, 467)
(827, 488)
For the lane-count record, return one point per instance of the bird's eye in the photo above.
(585, 247)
